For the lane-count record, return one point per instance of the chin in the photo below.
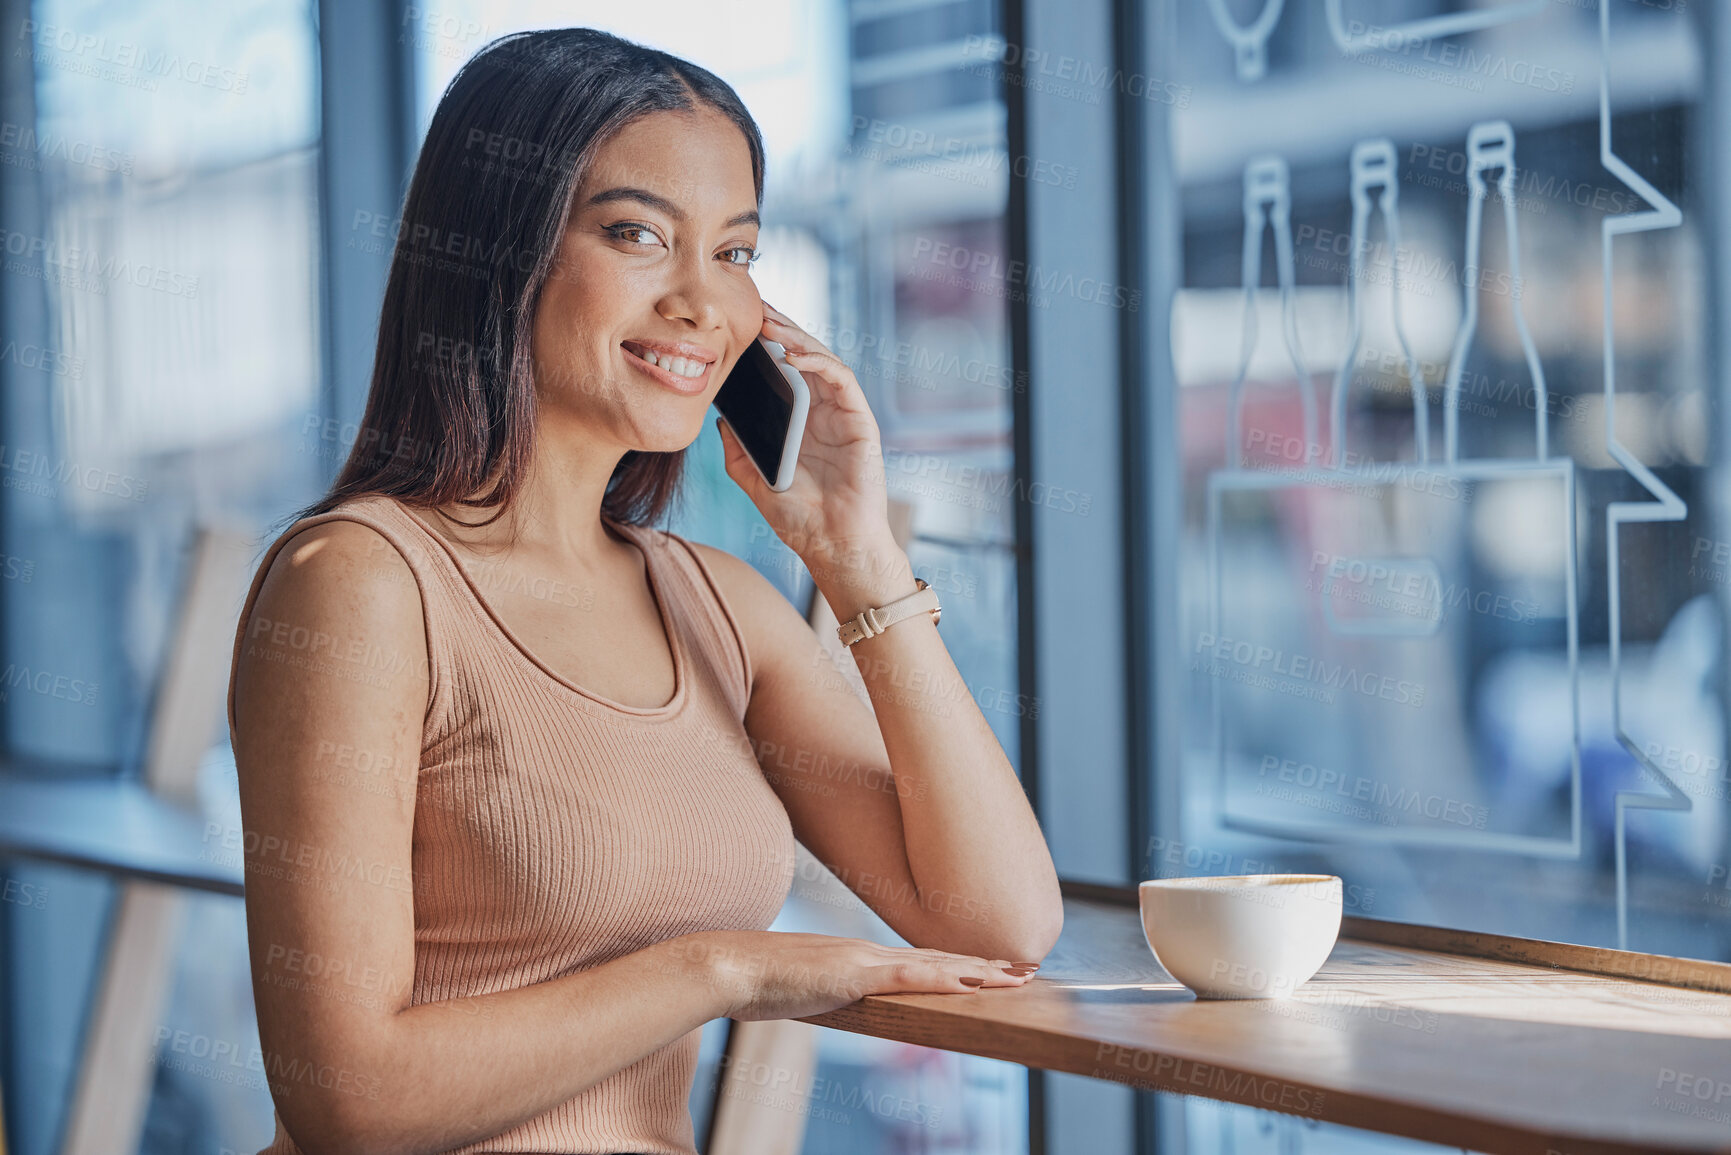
(669, 436)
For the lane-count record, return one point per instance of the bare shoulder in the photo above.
(342, 567)
(739, 580)
(775, 632)
(749, 593)
(337, 596)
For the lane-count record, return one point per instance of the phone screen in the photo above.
(758, 402)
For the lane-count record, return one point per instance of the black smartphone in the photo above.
(764, 401)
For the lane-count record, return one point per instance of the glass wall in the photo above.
(1452, 622)
(161, 354)
(1450, 566)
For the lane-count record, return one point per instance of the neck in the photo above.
(556, 510)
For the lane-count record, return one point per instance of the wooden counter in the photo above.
(1464, 1046)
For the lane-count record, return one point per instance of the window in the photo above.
(1443, 443)
(1451, 623)
(161, 357)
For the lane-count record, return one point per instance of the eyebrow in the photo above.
(662, 204)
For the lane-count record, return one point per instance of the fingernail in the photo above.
(1030, 966)
(1018, 972)
(970, 981)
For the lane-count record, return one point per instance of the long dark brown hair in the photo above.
(451, 407)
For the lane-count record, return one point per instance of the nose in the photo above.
(692, 296)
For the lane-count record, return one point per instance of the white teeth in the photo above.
(678, 366)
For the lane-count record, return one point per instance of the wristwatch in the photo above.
(876, 620)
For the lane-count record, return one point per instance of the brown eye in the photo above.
(625, 233)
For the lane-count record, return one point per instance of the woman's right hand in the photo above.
(781, 975)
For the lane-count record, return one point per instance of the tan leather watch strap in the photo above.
(872, 622)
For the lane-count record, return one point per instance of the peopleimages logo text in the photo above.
(1304, 669)
(21, 468)
(1463, 59)
(160, 63)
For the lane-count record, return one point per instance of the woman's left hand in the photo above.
(837, 505)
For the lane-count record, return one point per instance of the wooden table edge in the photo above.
(1147, 1069)
(926, 1022)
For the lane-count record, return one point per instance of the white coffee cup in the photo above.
(1247, 936)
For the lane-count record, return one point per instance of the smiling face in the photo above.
(651, 302)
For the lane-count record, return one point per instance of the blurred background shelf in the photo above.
(117, 827)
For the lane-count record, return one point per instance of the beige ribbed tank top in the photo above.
(556, 829)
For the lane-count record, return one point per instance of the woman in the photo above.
(508, 842)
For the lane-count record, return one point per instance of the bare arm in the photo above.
(950, 854)
(330, 915)
(916, 809)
